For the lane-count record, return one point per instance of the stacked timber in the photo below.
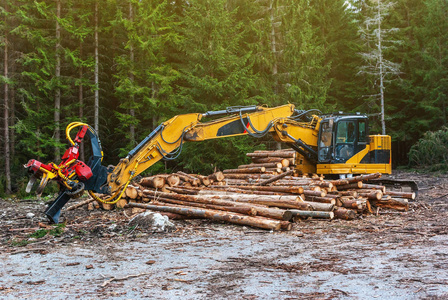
(277, 162)
(257, 195)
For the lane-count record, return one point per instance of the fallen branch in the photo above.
(82, 203)
(28, 250)
(105, 283)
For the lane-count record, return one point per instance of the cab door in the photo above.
(350, 138)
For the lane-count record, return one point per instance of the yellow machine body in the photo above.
(319, 140)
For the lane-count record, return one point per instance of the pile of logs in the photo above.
(262, 194)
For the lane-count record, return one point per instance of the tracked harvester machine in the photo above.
(337, 144)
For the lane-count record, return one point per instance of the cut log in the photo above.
(244, 197)
(156, 182)
(344, 213)
(399, 204)
(281, 189)
(355, 185)
(275, 178)
(215, 215)
(131, 192)
(261, 211)
(374, 195)
(316, 206)
(173, 180)
(121, 203)
(320, 199)
(374, 187)
(314, 193)
(283, 154)
(189, 178)
(352, 203)
(204, 180)
(286, 162)
(343, 193)
(183, 190)
(246, 170)
(400, 194)
(217, 176)
(243, 176)
(238, 209)
(312, 214)
(266, 165)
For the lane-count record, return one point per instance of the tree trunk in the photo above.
(131, 78)
(57, 97)
(81, 100)
(6, 114)
(96, 110)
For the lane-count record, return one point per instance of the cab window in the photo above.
(362, 131)
(325, 141)
(345, 140)
(346, 132)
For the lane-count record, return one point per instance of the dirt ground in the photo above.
(97, 255)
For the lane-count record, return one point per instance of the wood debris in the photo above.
(266, 194)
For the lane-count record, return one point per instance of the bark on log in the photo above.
(344, 213)
(189, 178)
(278, 203)
(283, 154)
(275, 178)
(215, 215)
(374, 195)
(316, 206)
(401, 194)
(314, 193)
(374, 187)
(320, 199)
(281, 189)
(352, 203)
(182, 190)
(344, 193)
(266, 165)
(261, 211)
(243, 176)
(244, 197)
(312, 214)
(363, 177)
(355, 185)
(237, 209)
(399, 204)
(246, 170)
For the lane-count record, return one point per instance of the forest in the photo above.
(126, 66)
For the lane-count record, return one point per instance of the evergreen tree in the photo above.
(337, 32)
(377, 41)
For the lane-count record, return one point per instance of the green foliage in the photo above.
(161, 58)
(431, 151)
(57, 230)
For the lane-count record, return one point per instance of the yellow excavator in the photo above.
(337, 144)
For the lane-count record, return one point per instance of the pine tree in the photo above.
(375, 34)
(336, 30)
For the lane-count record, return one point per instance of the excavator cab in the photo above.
(340, 137)
(345, 147)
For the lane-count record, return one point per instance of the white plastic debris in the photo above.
(30, 215)
(155, 222)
